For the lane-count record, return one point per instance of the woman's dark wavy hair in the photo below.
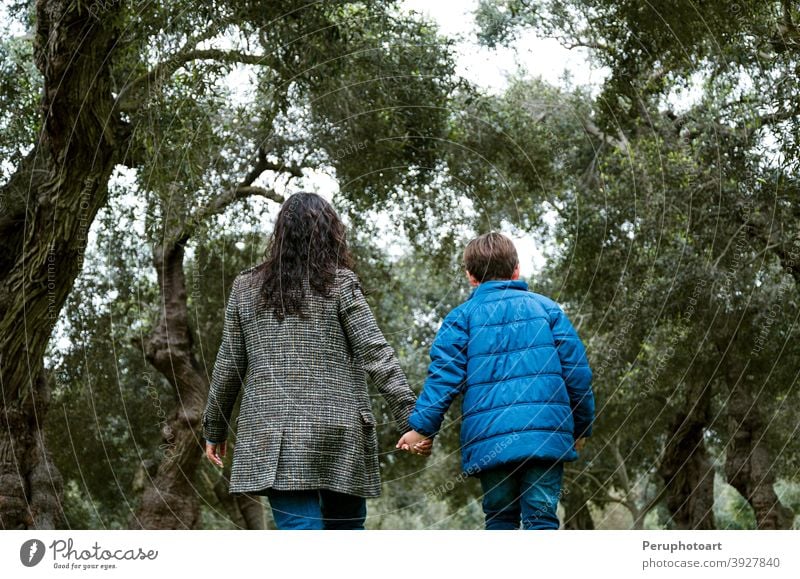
(308, 243)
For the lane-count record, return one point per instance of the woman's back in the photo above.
(321, 373)
(305, 420)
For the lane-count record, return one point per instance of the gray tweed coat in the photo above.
(305, 420)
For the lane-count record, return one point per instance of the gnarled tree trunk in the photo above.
(685, 466)
(50, 204)
(749, 466)
(170, 499)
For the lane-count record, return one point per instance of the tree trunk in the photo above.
(252, 510)
(170, 499)
(50, 203)
(748, 462)
(687, 471)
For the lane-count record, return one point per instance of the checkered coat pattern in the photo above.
(305, 420)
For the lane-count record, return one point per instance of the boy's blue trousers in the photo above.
(526, 492)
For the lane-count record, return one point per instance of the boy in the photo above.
(527, 396)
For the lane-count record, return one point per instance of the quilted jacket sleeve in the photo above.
(575, 369)
(228, 375)
(447, 374)
(372, 350)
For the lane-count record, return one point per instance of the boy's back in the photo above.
(526, 385)
(522, 370)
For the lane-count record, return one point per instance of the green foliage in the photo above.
(731, 511)
(20, 91)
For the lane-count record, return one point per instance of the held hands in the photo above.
(415, 443)
(215, 452)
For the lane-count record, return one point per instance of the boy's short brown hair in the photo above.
(491, 256)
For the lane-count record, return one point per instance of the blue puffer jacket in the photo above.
(523, 373)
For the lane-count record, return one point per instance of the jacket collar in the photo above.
(498, 285)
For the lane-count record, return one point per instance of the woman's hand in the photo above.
(216, 452)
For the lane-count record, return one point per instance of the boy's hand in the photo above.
(413, 441)
(580, 443)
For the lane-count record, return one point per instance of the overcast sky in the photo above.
(489, 68)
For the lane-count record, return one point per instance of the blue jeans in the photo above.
(528, 491)
(317, 509)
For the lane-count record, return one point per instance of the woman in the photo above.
(300, 337)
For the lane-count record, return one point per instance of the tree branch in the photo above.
(786, 35)
(243, 190)
(622, 472)
(163, 70)
(776, 117)
(263, 164)
(787, 252)
(222, 202)
(619, 143)
(731, 239)
(592, 44)
(293, 170)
